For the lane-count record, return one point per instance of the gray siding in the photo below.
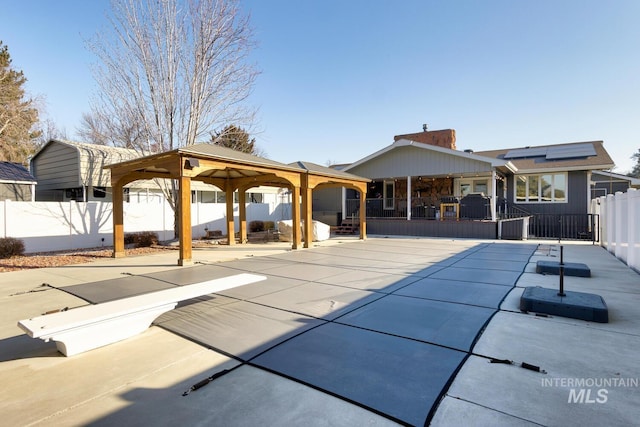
(455, 229)
(327, 199)
(405, 161)
(327, 203)
(56, 167)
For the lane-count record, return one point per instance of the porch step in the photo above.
(348, 226)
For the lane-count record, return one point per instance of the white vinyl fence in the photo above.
(620, 228)
(52, 226)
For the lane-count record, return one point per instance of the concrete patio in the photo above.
(378, 332)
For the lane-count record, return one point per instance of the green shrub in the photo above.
(255, 226)
(10, 246)
(269, 225)
(142, 239)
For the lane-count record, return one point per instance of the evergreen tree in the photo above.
(236, 138)
(17, 113)
(635, 172)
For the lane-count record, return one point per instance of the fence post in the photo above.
(619, 226)
(560, 228)
(611, 224)
(602, 221)
(5, 217)
(632, 232)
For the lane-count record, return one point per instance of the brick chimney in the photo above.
(445, 138)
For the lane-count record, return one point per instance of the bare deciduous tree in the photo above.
(50, 131)
(175, 71)
(170, 73)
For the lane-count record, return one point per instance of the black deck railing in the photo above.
(392, 208)
(541, 226)
(565, 227)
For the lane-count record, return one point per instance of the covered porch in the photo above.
(426, 190)
(441, 206)
(474, 197)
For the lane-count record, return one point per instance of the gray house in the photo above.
(423, 185)
(16, 183)
(68, 170)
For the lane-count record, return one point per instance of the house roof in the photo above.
(15, 173)
(84, 148)
(589, 155)
(327, 171)
(493, 161)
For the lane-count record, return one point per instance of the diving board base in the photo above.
(79, 340)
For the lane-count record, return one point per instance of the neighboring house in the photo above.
(423, 176)
(68, 170)
(603, 183)
(16, 183)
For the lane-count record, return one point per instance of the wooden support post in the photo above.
(118, 221)
(231, 226)
(295, 217)
(363, 215)
(242, 215)
(185, 222)
(307, 209)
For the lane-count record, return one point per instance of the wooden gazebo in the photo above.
(228, 170)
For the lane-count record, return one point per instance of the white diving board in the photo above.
(92, 326)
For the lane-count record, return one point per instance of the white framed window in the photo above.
(388, 194)
(541, 188)
(468, 186)
(480, 186)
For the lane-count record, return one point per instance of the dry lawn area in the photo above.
(60, 258)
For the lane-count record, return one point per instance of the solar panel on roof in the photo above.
(571, 151)
(521, 153)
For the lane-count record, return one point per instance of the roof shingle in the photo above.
(15, 172)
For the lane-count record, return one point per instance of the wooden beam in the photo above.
(128, 177)
(185, 222)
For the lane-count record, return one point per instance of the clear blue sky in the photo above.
(340, 78)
